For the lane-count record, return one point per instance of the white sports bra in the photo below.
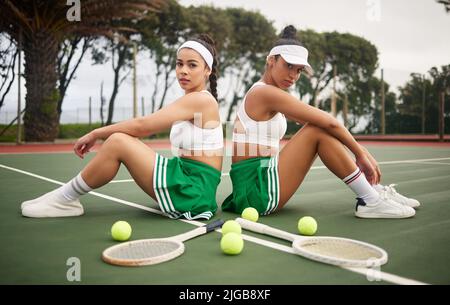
(185, 135)
(267, 133)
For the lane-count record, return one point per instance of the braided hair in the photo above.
(209, 43)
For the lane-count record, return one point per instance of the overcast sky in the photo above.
(410, 35)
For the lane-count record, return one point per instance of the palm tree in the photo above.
(41, 26)
(446, 4)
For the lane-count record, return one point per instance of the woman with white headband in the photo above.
(265, 178)
(184, 186)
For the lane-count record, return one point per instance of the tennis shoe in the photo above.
(392, 194)
(383, 208)
(35, 200)
(49, 205)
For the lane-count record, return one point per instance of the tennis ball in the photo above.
(232, 243)
(250, 214)
(121, 230)
(231, 226)
(307, 225)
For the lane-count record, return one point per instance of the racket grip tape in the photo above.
(214, 225)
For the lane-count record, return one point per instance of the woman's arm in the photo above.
(182, 109)
(278, 100)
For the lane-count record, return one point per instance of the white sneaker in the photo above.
(384, 208)
(392, 194)
(35, 200)
(48, 205)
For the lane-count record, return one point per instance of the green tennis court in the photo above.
(42, 251)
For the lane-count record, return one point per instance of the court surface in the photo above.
(43, 251)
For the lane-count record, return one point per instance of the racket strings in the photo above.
(144, 250)
(341, 249)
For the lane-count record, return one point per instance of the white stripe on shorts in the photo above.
(273, 186)
(159, 184)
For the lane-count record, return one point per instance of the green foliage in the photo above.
(355, 59)
(74, 131)
(10, 134)
(419, 90)
(212, 20)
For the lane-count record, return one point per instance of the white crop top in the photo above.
(267, 133)
(185, 135)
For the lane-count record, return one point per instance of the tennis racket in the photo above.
(325, 249)
(153, 251)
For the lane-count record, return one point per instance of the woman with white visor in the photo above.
(265, 177)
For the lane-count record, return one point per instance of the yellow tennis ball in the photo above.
(231, 226)
(250, 214)
(232, 243)
(121, 230)
(307, 225)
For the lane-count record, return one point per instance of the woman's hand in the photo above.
(369, 166)
(377, 168)
(84, 144)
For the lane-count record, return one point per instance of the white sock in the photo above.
(73, 189)
(361, 187)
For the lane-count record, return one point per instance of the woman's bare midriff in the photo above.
(213, 158)
(244, 151)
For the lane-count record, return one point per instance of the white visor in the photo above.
(294, 55)
(201, 49)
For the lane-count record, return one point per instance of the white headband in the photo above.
(293, 54)
(201, 49)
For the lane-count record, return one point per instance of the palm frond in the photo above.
(32, 16)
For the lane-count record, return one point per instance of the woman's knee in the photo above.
(313, 130)
(117, 141)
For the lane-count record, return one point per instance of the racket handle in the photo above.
(214, 225)
(199, 231)
(264, 229)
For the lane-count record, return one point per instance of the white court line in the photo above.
(379, 274)
(416, 160)
(121, 181)
(438, 163)
(395, 162)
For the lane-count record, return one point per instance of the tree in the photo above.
(8, 57)
(67, 64)
(120, 53)
(374, 112)
(446, 4)
(251, 38)
(355, 59)
(44, 24)
(411, 95)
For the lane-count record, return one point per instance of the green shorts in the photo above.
(185, 188)
(255, 184)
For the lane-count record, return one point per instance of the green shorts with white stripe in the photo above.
(185, 188)
(255, 184)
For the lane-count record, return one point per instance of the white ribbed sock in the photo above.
(378, 187)
(358, 183)
(73, 189)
